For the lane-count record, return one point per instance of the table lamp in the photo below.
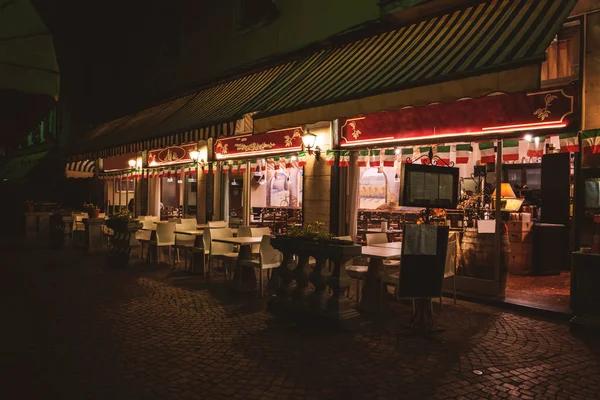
(506, 191)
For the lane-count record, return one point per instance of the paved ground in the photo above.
(72, 330)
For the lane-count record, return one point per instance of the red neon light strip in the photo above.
(446, 135)
(534, 124)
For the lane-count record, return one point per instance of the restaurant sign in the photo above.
(247, 145)
(171, 155)
(499, 113)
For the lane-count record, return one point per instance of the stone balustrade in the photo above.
(294, 292)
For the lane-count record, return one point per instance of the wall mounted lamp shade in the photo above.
(308, 140)
(194, 155)
(506, 191)
(132, 163)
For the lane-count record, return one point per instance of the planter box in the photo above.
(307, 303)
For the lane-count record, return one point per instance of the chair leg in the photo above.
(261, 272)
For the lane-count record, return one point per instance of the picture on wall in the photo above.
(125, 185)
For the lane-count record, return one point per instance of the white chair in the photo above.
(184, 242)
(450, 266)
(165, 237)
(218, 224)
(221, 251)
(189, 221)
(244, 231)
(347, 238)
(268, 259)
(143, 237)
(258, 232)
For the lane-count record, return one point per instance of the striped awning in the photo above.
(80, 169)
(483, 40)
(209, 112)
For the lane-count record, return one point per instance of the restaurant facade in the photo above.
(325, 138)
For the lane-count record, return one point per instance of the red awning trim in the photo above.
(249, 145)
(499, 113)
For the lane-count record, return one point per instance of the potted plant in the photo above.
(315, 233)
(30, 206)
(92, 210)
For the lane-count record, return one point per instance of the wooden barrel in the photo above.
(478, 256)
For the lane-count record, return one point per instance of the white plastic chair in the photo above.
(143, 237)
(189, 221)
(244, 231)
(268, 259)
(219, 250)
(165, 237)
(218, 224)
(258, 232)
(184, 242)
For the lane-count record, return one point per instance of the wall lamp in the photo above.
(195, 156)
(308, 143)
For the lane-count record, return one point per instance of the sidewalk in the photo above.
(74, 329)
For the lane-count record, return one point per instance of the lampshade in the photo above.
(308, 139)
(505, 191)
(132, 163)
(194, 155)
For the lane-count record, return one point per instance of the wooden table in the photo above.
(389, 245)
(373, 296)
(243, 279)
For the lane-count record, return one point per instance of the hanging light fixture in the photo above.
(308, 142)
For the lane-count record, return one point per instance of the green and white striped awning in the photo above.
(490, 37)
(80, 169)
(209, 112)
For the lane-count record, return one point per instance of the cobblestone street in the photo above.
(74, 330)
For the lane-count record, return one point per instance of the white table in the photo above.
(389, 245)
(195, 232)
(373, 297)
(243, 278)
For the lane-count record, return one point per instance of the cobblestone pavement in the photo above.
(73, 330)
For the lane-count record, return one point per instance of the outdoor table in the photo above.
(243, 278)
(389, 245)
(373, 299)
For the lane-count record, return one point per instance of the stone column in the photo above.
(338, 305)
(94, 235)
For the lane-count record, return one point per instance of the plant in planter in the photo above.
(92, 210)
(120, 219)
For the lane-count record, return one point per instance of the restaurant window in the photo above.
(276, 195)
(562, 57)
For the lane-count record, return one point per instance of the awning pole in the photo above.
(498, 214)
(126, 191)
(114, 188)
